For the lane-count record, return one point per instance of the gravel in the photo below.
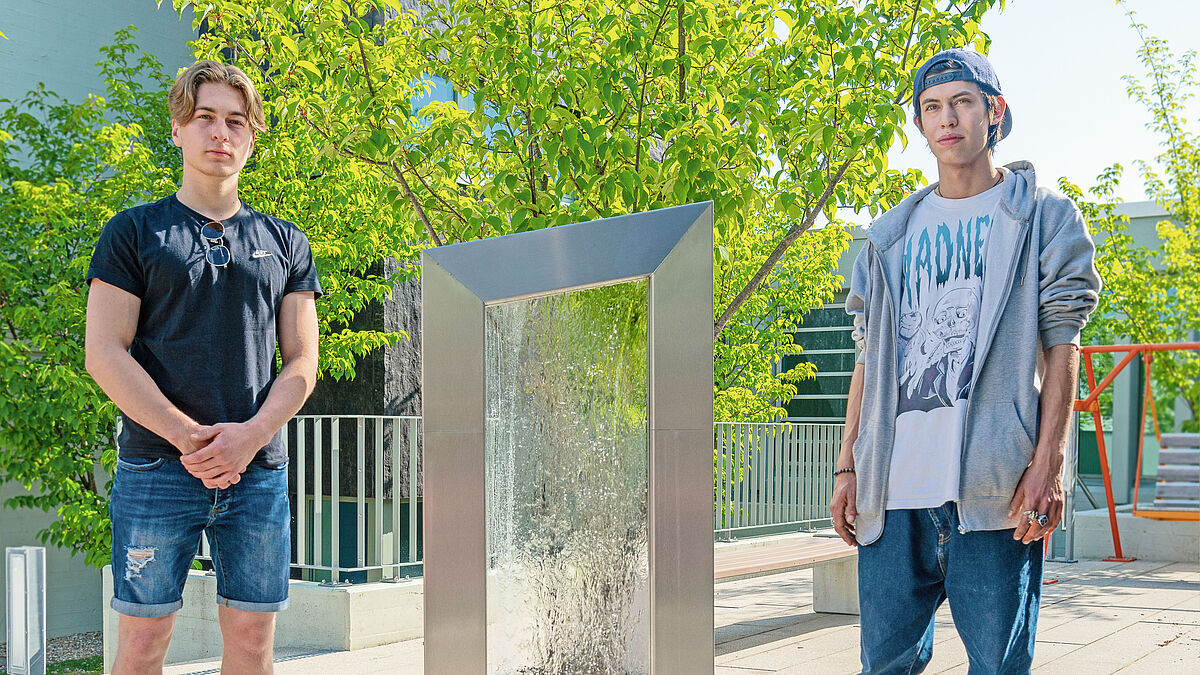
(65, 648)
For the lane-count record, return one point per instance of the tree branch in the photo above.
(366, 71)
(682, 52)
(788, 239)
(397, 175)
(412, 199)
(637, 152)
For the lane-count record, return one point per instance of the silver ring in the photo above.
(1040, 519)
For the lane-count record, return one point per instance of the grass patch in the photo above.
(92, 665)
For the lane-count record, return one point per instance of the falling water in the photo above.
(566, 467)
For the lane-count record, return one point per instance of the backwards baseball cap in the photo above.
(959, 64)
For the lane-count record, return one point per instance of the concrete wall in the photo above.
(57, 41)
(1141, 538)
(72, 588)
(318, 618)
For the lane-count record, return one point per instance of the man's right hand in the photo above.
(186, 441)
(842, 506)
(183, 438)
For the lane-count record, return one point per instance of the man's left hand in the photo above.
(1040, 490)
(230, 449)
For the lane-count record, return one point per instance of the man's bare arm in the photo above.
(112, 317)
(1041, 488)
(845, 486)
(233, 445)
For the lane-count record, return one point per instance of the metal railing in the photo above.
(364, 523)
(357, 525)
(775, 477)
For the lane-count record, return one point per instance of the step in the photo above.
(1179, 456)
(1187, 473)
(1176, 504)
(1181, 441)
(1176, 490)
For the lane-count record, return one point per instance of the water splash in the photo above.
(566, 455)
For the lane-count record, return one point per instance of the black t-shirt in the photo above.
(206, 335)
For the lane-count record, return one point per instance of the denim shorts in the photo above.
(158, 511)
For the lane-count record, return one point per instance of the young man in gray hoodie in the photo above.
(968, 301)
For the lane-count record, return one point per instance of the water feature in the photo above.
(565, 452)
(568, 440)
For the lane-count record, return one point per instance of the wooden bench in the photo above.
(834, 565)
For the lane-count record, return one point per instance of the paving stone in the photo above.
(725, 616)
(1054, 616)
(1045, 652)
(1090, 626)
(734, 632)
(734, 670)
(947, 653)
(811, 646)
(1185, 617)
(1101, 617)
(793, 633)
(1178, 655)
(1123, 649)
(1187, 571)
(841, 662)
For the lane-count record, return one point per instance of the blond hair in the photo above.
(181, 102)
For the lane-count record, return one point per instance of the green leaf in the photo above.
(310, 68)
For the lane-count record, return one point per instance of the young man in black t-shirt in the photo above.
(188, 298)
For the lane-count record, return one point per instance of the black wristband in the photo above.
(848, 469)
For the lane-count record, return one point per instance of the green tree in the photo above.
(749, 350)
(1153, 296)
(567, 111)
(65, 169)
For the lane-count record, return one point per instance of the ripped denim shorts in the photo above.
(158, 511)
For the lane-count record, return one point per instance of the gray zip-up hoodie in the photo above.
(1039, 286)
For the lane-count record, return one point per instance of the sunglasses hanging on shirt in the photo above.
(217, 254)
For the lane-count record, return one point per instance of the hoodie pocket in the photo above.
(999, 447)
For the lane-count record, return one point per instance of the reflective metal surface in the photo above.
(672, 248)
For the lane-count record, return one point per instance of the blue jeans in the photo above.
(158, 511)
(993, 583)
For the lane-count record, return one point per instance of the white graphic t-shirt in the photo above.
(939, 315)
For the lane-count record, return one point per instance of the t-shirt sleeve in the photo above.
(115, 259)
(303, 273)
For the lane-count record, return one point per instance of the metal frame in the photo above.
(671, 247)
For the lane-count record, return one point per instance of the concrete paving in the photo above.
(1100, 617)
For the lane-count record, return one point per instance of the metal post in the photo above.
(318, 548)
(1070, 480)
(412, 490)
(301, 518)
(379, 505)
(360, 498)
(335, 502)
(396, 498)
(26, 609)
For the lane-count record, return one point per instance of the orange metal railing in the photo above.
(1092, 404)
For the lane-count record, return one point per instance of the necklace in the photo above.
(999, 179)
